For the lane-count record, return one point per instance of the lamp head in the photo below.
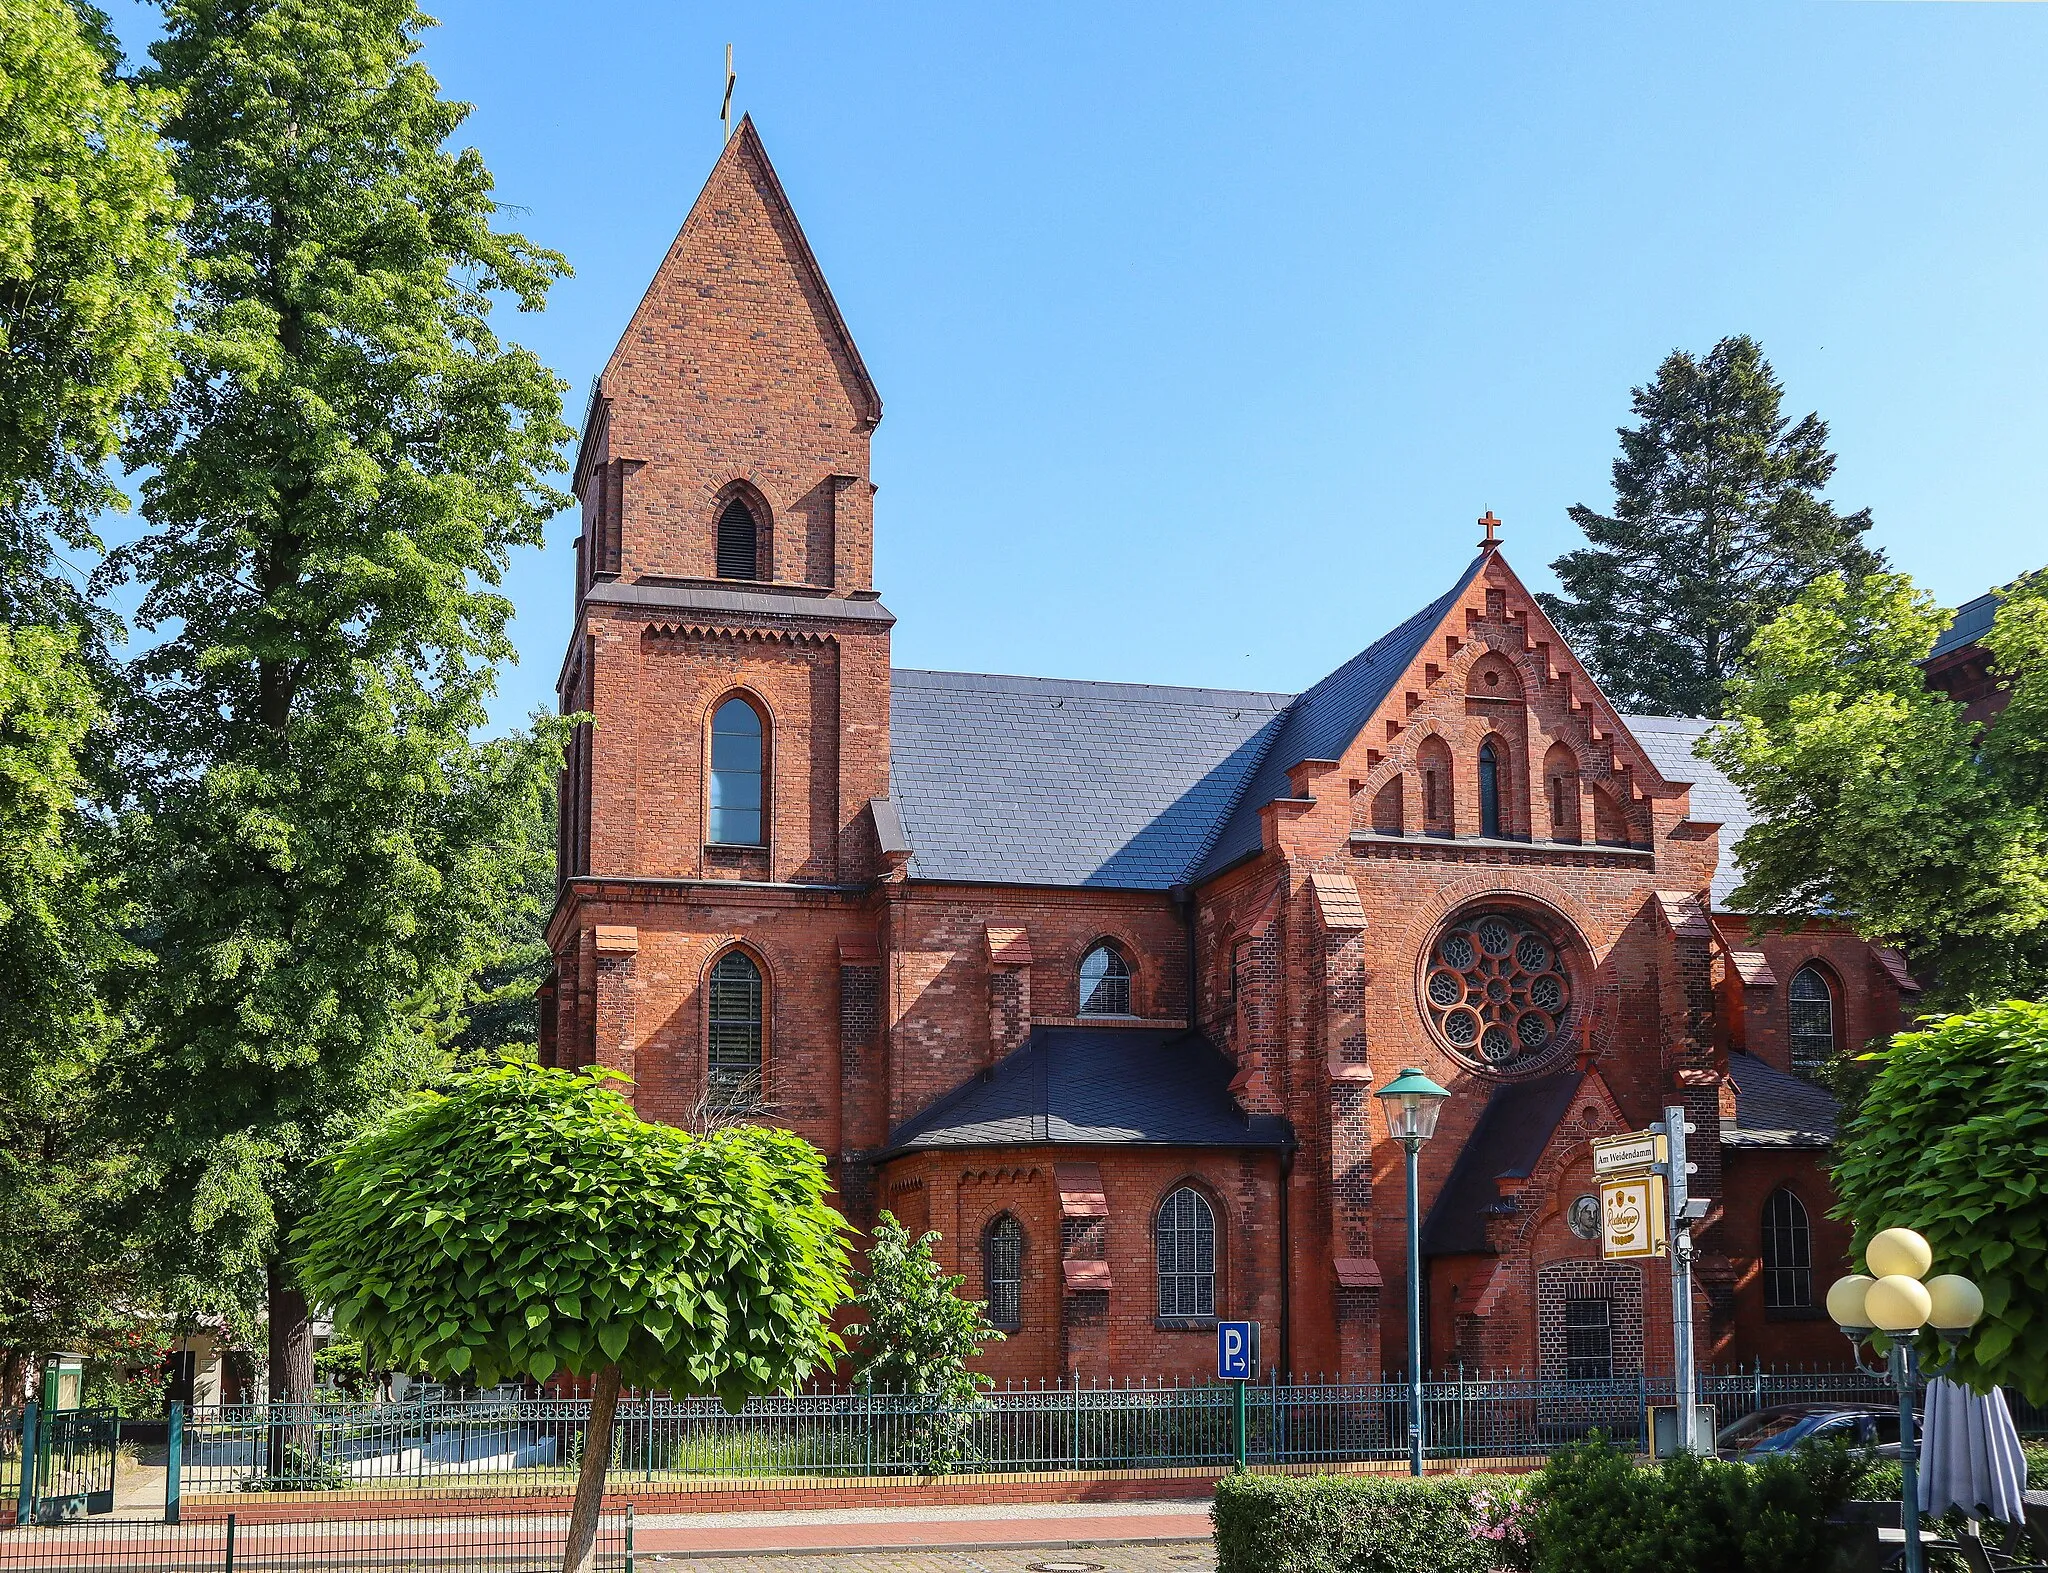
(1898, 1304)
(1898, 1253)
(1412, 1102)
(1957, 1303)
(1845, 1303)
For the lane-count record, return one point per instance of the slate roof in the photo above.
(1774, 1108)
(1513, 1129)
(1041, 781)
(1668, 740)
(1323, 721)
(1972, 622)
(1096, 1086)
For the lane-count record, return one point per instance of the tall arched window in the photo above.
(736, 771)
(1810, 1004)
(1489, 791)
(1186, 1246)
(735, 1047)
(739, 542)
(1788, 1253)
(1002, 1271)
(1105, 982)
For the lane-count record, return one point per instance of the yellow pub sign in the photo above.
(1632, 1216)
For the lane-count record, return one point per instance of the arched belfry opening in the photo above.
(739, 541)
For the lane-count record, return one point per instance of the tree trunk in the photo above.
(291, 1373)
(579, 1555)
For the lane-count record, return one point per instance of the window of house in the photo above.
(1489, 791)
(739, 548)
(1788, 1253)
(1811, 1004)
(1002, 1271)
(736, 761)
(1588, 1340)
(735, 1048)
(1105, 982)
(1186, 1246)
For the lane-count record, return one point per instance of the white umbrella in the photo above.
(1971, 1456)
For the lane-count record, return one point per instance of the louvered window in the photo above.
(739, 552)
(1105, 982)
(1788, 1253)
(1002, 1271)
(1187, 1255)
(1810, 1004)
(735, 1057)
(1489, 791)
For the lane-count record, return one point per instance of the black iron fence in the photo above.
(523, 1543)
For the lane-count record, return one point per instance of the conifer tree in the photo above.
(337, 481)
(1718, 523)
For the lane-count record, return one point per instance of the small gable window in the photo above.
(1810, 1003)
(1489, 791)
(735, 1048)
(1788, 1253)
(1002, 1271)
(1105, 982)
(1187, 1255)
(739, 548)
(737, 758)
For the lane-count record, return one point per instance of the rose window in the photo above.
(1496, 988)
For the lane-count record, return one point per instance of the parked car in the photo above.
(1783, 1427)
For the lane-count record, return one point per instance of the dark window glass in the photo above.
(1811, 1005)
(739, 554)
(1788, 1252)
(1588, 1340)
(1187, 1255)
(1002, 1272)
(735, 1058)
(1105, 982)
(736, 775)
(1489, 791)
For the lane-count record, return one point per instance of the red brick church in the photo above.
(1098, 979)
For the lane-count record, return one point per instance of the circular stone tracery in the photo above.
(1497, 989)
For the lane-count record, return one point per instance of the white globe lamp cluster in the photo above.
(1898, 1298)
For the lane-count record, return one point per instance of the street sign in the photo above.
(1632, 1216)
(1623, 1154)
(1237, 1351)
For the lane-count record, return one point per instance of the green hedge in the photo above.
(1364, 1523)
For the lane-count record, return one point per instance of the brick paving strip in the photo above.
(1106, 1559)
(1034, 1527)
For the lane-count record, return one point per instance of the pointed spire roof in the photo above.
(742, 184)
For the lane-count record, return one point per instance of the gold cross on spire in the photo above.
(1492, 541)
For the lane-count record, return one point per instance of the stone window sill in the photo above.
(1185, 1324)
(1502, 843)
(1796, 1313)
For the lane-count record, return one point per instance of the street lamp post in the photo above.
(1412, 1102)
(1897, 1304)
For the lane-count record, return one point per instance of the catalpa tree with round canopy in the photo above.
(525, 1221)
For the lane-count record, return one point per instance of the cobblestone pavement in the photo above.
(1188, 1558)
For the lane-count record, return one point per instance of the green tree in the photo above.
(1718, 523)
(527, 1222)
(89, 269)
(502, 1015)
(58, 942)
(335, 486)
(1877, 799)
(1952, 1140)
(917, 1337)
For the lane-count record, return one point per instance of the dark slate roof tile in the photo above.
(1774, 1108)
(1097, 1086)
(1513, 1129)
(1669, 740)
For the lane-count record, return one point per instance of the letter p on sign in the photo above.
(1237, 1350)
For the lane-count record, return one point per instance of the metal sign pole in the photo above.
(1681, 1277)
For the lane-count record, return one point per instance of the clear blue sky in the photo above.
(1205, 331)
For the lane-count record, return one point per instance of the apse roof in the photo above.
(1774, 1108)
(1513, 1129)
(1097, 1086)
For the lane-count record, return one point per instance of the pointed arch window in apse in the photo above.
(1489, 792)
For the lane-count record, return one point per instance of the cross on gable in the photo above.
(1492, 531)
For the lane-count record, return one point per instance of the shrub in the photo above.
(1594, 1509)
(1366, 1524)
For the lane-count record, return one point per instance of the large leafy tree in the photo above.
(1952, 1140)
(89, 268)
(1876, 799)
(59, 1269)
(526, 1222)
(1718, 522)
(334, 488)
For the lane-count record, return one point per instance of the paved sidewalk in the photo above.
(1143, 1535)
(1085, 1559)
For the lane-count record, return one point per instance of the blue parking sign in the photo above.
(1237, 1350)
